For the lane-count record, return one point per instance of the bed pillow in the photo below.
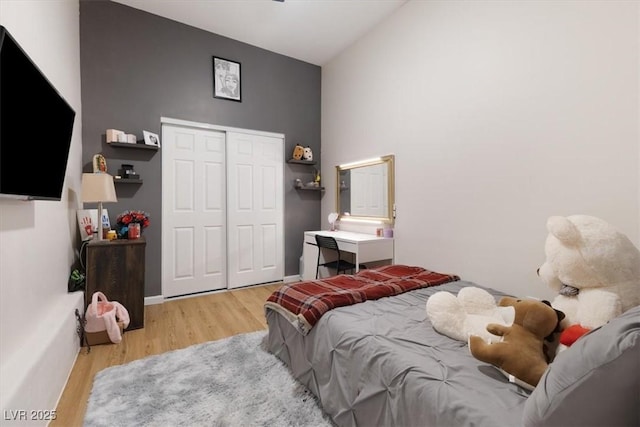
(596, 381)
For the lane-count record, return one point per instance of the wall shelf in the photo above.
(302, 162)
(127, 181)
(305, 187)
(310, 188)
(127, 145)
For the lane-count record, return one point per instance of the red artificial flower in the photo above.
(128, 217)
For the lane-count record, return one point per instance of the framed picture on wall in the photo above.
(226, 79)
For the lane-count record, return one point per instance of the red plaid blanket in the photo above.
(303, 303)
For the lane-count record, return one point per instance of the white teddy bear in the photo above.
(594, 268)
(467, 314)
(307, 154)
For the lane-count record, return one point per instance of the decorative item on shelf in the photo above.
(316, 177)
(99, 164)
(127, 172)
(151, 138)
(136, 220)
(98, 187)
(118, 136)
(298, 151)
(307, 154)
(115, 135)
(297, 183)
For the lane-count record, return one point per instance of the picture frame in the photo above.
(151, 138)
(227, 79)
(88, 222)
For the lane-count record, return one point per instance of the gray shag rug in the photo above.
(229, 382)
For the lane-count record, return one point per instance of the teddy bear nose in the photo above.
(538, 271)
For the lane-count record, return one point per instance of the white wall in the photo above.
(500, 114)
(38, 345)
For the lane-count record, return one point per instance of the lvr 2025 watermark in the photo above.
(29, 415)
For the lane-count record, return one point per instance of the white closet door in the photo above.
(193, 210)
(255, 204)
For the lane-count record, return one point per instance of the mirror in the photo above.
(365, 190)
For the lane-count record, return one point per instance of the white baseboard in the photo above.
(34, 377)
(159, 299)
(156, 299)
(294, 278)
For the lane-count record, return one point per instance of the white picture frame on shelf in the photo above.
(151, 138)
(88, 222)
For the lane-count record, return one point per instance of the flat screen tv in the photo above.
(36, 125)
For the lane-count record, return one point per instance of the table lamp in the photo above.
(98, 187)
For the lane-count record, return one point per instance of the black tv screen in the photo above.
(36, 125)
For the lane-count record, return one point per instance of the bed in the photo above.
(378, 361)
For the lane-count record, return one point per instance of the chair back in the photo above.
(326, 242)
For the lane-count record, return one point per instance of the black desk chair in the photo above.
(339, 265)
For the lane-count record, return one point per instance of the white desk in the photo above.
(365, 247)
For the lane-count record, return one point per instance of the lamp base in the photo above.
(100, 232)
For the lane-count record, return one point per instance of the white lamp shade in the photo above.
(98, 187)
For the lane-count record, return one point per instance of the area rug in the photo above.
(229, 382)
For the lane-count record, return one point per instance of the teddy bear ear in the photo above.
(508, 302)
(564, 230)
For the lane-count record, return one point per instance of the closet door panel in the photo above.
(255, 170)
(193, 211)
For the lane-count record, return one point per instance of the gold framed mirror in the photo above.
(365, 190)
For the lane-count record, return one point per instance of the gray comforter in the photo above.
(380, 363)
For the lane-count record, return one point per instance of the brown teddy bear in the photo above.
(522, 352)
(298, 152)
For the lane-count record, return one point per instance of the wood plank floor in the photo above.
(173, 325)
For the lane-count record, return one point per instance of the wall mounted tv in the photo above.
(36, 125)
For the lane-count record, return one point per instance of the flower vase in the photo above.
(134, 231)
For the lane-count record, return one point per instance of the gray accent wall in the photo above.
(137, 67)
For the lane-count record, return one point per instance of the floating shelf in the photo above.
(302, 162)
(127, 145)
(310, 188)
(127, 181)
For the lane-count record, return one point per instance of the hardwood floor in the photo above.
(173, 325)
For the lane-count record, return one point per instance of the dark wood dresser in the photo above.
(116, 268)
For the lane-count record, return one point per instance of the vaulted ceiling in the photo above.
(313, 31)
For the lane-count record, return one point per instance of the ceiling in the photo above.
(313, 31)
